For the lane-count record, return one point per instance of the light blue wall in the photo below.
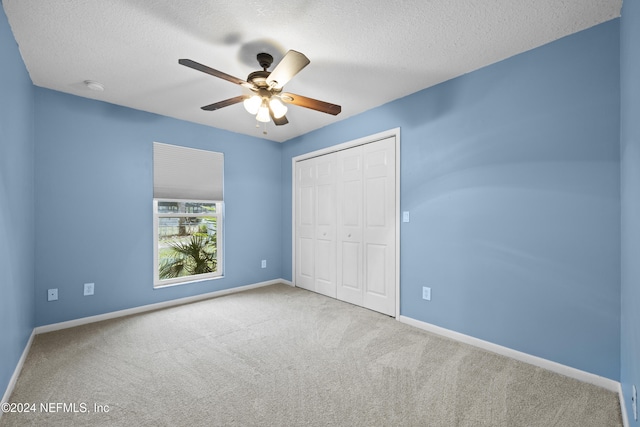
(16, 204)
(94, 189)
(630, 190)
(511, 175)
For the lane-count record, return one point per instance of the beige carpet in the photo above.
(282, 356)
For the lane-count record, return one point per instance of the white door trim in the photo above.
(343, 146)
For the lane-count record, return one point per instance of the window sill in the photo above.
(186, 282)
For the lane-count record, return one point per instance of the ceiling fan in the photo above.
(266, 99)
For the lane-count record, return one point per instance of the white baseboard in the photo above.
(136, 310)
(16, 372)
(559, 368)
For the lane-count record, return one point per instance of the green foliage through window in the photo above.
(187, 240)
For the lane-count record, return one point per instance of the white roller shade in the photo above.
(187, 173)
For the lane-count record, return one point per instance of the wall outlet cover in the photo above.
(264, 263)
(426, 293)
(52, 294)
(88, 288)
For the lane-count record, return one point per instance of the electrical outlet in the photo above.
(405, 216)
(634, 402)
(264, 263)
(426, 293)
(88, 288)
(52, 294)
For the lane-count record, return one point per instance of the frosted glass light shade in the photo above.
(278, 108)
(252, 104)
(263, 113)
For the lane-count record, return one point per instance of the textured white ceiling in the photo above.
(363, 53)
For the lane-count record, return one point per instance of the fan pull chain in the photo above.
(264, 132)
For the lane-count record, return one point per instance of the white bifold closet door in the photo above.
(346, 225)
(316, 225)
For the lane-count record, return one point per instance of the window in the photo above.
(188, 215)
(187, 242)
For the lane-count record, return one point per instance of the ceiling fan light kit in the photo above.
(263, 112)
(255, 105)
(252, 104)
(267, 101)
(277, 107)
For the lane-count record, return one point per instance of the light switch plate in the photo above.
(634, 402)
(405, 216)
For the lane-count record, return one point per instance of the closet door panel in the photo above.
(305, 224)
(350, 196)
(325, 227)
(305, 266)
(351, 258)
(376, 264)
(379, 226)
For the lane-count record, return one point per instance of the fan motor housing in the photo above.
(258, 78)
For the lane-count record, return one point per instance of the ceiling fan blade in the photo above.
(208, 70)
(278, 122)
(225, 103)
(314, 104)
(292, 63)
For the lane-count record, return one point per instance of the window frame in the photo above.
(183, 280)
